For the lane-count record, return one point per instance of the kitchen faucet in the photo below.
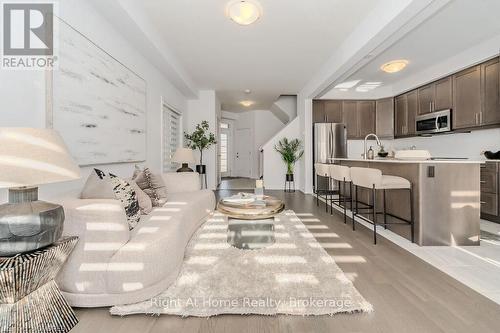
(365, 155)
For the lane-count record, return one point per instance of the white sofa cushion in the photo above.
(157, 244)
(181, 182)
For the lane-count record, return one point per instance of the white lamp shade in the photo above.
(183, 155)
(34, 156)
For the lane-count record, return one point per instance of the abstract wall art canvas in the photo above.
(97, 104)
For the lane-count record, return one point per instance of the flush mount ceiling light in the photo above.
(244, 12)
(394, 66)
(247, 103)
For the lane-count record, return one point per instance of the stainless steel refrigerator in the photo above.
(330, 140)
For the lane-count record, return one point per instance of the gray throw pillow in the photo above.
(98, 186)
(145, 203)
(152, 184)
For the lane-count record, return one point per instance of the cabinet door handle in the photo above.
(482, 181)
(482, 202)
(430, 106)
(480, 117)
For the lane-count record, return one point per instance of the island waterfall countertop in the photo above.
(394, 160)
(446, 198)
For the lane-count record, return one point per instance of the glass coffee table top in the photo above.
(250, 234)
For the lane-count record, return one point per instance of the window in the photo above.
(224, 125)
(223, 152)
(171, 136)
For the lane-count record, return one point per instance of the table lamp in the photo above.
(30, 157)
(184, 156)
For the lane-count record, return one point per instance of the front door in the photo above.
(243, 153)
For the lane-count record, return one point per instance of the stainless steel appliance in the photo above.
(330, 140)
(434, 122)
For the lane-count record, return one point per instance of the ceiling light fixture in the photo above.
(347, 84)
(247, 103)
(394, 66)
(247, 91)
(244, 12)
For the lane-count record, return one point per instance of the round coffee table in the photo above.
(251, 226)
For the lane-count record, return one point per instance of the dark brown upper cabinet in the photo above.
(333, 111)
(350, 118)
(490, 114)
(319, 115)
(366, 118)
(411, 111)
(435, 96)
(384, 118)
(467, 98)
(425, 99)
(400, 116)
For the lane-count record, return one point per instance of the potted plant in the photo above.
(200, 139)
(291, 151)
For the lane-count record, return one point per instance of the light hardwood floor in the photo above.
(408, 294)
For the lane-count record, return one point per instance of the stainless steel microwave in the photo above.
(434, 122)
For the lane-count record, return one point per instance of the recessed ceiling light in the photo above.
(344, 89)
(347, 84)
(394, 66)
(247, 103)
(244, 12)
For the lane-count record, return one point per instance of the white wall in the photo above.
(22, 93)
(274, 167)
(263, 125)
(206, 107)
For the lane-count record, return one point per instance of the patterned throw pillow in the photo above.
(127, 196)
(152, 184)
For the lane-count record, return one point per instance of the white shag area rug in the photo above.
(293, 276)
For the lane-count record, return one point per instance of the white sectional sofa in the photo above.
(112, 265)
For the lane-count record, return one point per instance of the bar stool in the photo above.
(342, 175)
(321, 170)
(374, 180)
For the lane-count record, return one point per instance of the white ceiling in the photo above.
(276, 55)
(459, 26)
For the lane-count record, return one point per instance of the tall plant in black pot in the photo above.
(291, 151)
(200, 139)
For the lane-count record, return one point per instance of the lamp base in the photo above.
(28, 224)
(185, 168)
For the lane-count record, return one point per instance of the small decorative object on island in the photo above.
(184, 156)
(382, 152)
(200, 139)
(291, 151)
(31, 157)
(491, 155)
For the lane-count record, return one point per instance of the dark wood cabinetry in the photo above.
(350, 118)
(411, 111)
(366, 118)
(490, 73)
(333, 111)
(405, 110)
(489, 191)
(384, 118)
(318, 112)
(435, 96)
(467, 98)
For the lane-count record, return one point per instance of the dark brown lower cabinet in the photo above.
(489, 191)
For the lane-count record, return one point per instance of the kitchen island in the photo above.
(446, 198)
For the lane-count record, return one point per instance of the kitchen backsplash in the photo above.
(468, 145)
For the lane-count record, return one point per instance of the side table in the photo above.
(30, 300)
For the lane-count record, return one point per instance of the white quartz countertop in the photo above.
(393, 160)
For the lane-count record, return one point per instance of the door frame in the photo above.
(251, 153)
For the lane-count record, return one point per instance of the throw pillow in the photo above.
(98, 186)
(101, 185)
(127, 196)
(152, 184)
(145, 203)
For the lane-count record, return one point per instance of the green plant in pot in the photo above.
(291, 151)
(200, 139)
